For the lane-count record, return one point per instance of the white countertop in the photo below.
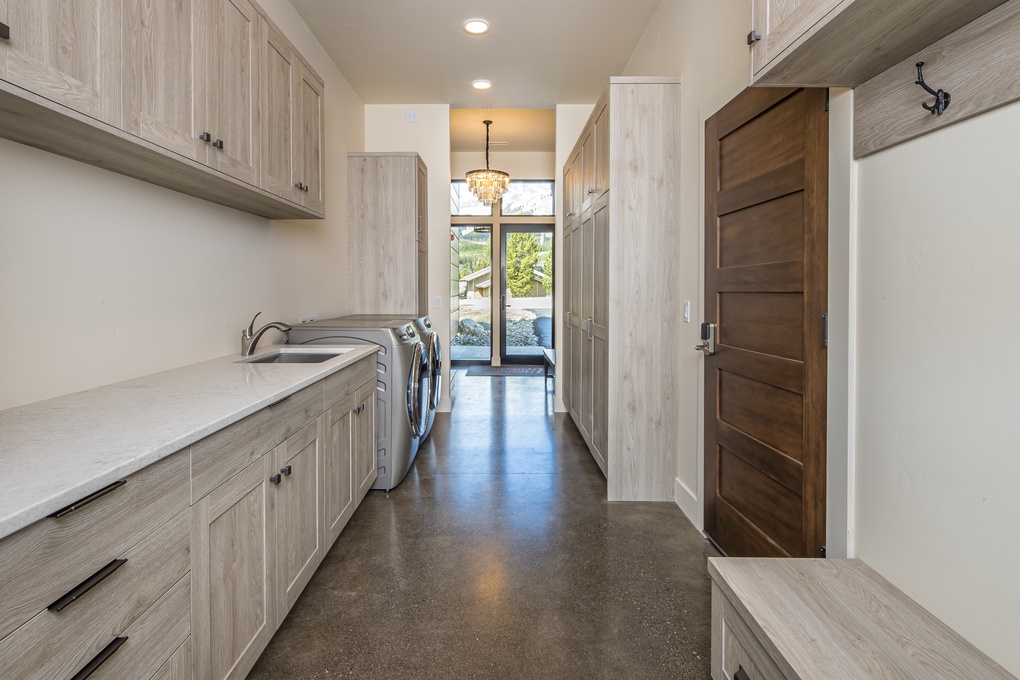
(57, 451)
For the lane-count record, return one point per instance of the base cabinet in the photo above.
(364, 438)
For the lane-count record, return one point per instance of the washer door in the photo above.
(435, 370)
(417, 390)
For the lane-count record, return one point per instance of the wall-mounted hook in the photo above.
(941, 96)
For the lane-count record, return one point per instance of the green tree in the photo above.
(521, 259)
(475, 258)
(547, 269)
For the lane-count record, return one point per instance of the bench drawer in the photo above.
(45, 560)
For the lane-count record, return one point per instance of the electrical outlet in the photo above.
(411, 116)
(307, 319)
(687, 311)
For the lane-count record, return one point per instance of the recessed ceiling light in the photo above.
(476, 26)
(481, 84)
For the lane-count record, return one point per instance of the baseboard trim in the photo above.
(445, 405)
(559, 406)
(687, 500)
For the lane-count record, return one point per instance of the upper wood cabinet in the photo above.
(68, 52)
(172, 92)
(820, 43)
(387, 233)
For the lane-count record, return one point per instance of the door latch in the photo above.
(707, 345)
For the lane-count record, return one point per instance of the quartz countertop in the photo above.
(57, 451)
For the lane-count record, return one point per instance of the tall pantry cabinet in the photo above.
(388, 233)
(621, 254)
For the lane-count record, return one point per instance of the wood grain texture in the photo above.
(840, 619)
(30, 119)
(846, 43)
(342, 384)
(233, 563)
(977, 65)
(153, 638)
(178, 666)
(364, 440)
(217, 457)
(587, 167)
(383, 227)
(601, 159)
(733, 645)
(298, 504)
(278, 172)
(309, 141)
(338, 469)
(45, 560)
(57, 644)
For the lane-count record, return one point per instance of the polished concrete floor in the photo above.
(499, 557)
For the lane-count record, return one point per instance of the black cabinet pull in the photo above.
(286, 471)
(304, 187)
(5, 31)
(280, 401)
(218, 143)
(98, 660)
(77, 505)
(741, 674)
(299, 185)
(86, 585)
(205, 137)
(276, 479)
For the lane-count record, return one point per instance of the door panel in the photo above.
(309, 138)
(233, 84)
(527, 312)
(279, 174)
(765, 289)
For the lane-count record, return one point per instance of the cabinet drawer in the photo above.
(343, 383)
(153, 638)
(47, 559)
(734, 646)
(223, 454)
(56, 644)
(178, 666)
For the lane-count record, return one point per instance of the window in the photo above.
(529, 197)
(463, 202)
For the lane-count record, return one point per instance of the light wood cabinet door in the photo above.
(587, 166)
(587, 314)
(781, 22)
(577, 185)
(67, 52)
(422, 195)
(280, 75)
(233, 604)
(601, 171)
(365, 452)
(164, 84)
(564, 354)
(600, 331)
(308, 138)
(298, 528)
(232, 73)
(338, 470)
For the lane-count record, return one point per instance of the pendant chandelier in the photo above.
(487, 185)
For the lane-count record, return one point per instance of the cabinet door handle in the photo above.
(299, 186)
(304, 188)
(5, 31)
(741, 674)
(77, 505)
(99, 658)
(85, 586)
(276, 479)
(218, 143)
(286, 471)
(205, 137)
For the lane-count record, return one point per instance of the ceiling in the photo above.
(537, 53)
(511, 130)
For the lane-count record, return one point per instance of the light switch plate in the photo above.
(439, 302)
(411, 116)
(687, 311)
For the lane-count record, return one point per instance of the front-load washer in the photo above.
(402, 387)
(430, 338)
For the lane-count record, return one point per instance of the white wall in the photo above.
(385, 130)
(520, 164)
(570, 120)
(106, 278)
(937, 369)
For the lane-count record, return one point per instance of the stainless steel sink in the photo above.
(295, 355)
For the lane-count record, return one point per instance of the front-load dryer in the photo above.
(402, 387)
(434, 344)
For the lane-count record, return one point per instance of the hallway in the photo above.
(499, 557)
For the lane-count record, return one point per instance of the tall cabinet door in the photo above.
(563, 350)
(422, 198)
(600, 332)
(365, 451)
(308, 137)
(578, 335)
(278, 173)
(232, 69)
(67, 52)
(587, 312)
(164, 84)
(298, 461)
(338, 469)
(233, 579)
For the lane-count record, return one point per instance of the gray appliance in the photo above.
(430, 338)
(402, 383)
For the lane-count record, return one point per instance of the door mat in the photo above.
(504, 371)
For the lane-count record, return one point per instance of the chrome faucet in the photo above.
(250, 337)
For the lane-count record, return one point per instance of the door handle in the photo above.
(588, 322)
(708, 333)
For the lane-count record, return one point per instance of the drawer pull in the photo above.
(86, 585)
(280, 401)
(741, 674)
(286, 471)
(5, 31)
(276, 479)
(98, 660)
(77, 505)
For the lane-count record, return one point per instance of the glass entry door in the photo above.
(525, 293)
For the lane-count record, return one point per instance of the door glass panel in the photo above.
(473, 338)
(527, 294)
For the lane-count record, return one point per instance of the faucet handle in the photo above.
(251, 326)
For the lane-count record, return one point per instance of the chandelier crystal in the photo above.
(487, 185)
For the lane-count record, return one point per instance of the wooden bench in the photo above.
(550, 363)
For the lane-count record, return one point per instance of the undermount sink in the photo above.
(295, 355)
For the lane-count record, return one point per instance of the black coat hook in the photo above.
(941, 96)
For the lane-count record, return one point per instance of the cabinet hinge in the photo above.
(753, 37)
(825, 329)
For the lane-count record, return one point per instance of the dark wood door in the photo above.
(766, 241)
